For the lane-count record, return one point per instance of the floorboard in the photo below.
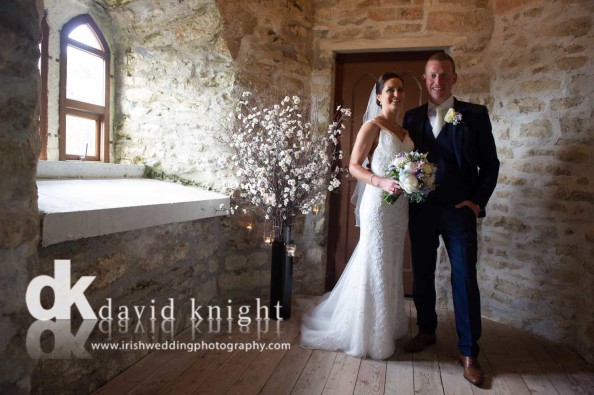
(288, 370)
(449, 367)
(513, 361)
(315, 373)
(372, 378)
(343, 375)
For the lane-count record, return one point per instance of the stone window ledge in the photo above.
(79, 169)
(73, 209)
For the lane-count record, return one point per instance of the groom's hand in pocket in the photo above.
(470, 204)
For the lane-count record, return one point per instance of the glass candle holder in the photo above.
(291, 248)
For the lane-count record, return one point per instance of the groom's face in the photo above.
(439, 78)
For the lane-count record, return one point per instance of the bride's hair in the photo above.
(379, 85)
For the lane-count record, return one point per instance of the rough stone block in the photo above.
(575, 27)
(243, 280)
(395, 14)
(469, 21)
(17, 229)
(566, 103)
(507, 6)
(574, 155)
(540, 85)
(473, 83)
(396, 3)
(246, 262)
(401, 28)
(526, 105)
(572, 125)
(511, 224)
(511, 180)
(540, 128)
(571, 63)
(107, 269)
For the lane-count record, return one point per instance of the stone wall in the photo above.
(270, 42)
(19, 148)
(178, 69)
(177, 64)
(20, 35)
(537, 273)
(172, 72)
(528, 62)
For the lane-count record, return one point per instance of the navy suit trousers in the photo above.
(457, 227)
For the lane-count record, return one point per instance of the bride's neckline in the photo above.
(383, 127)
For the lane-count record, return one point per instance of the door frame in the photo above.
(334, 200)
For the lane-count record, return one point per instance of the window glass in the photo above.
(84, 95)
(86, 77)
(81, 136)
(85, 35)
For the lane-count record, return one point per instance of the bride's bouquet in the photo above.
(414, 173)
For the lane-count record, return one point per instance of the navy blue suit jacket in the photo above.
(473, 143)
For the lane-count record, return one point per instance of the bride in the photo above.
(364, 313)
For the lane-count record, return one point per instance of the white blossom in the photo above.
(283, 162)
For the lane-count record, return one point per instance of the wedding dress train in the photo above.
(364, 314)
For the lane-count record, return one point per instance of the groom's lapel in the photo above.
(458, 133)
(422, 120)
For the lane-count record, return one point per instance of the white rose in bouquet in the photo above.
(410, 184)
(399, 161)
(409, 168)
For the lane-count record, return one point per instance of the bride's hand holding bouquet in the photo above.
(389, 185)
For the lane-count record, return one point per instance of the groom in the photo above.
(464, 151)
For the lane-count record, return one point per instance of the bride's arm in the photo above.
(365, 142)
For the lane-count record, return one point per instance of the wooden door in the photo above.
(355, 76)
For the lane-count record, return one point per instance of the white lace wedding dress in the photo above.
(364, 313)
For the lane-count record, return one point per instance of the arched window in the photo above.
(84, 91)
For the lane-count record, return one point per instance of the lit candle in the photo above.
(315, 209)
(249, 227)
(267, 240)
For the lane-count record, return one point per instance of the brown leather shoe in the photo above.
(419, 342)
(472, 370)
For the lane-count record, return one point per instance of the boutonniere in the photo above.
(453, 117)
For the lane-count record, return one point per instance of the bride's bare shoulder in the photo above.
(377, 121)
(371, 127)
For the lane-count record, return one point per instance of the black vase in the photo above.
(281, 276)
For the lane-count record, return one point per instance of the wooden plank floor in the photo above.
(514, 362)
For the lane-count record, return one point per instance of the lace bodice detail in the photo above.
(388, 146)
